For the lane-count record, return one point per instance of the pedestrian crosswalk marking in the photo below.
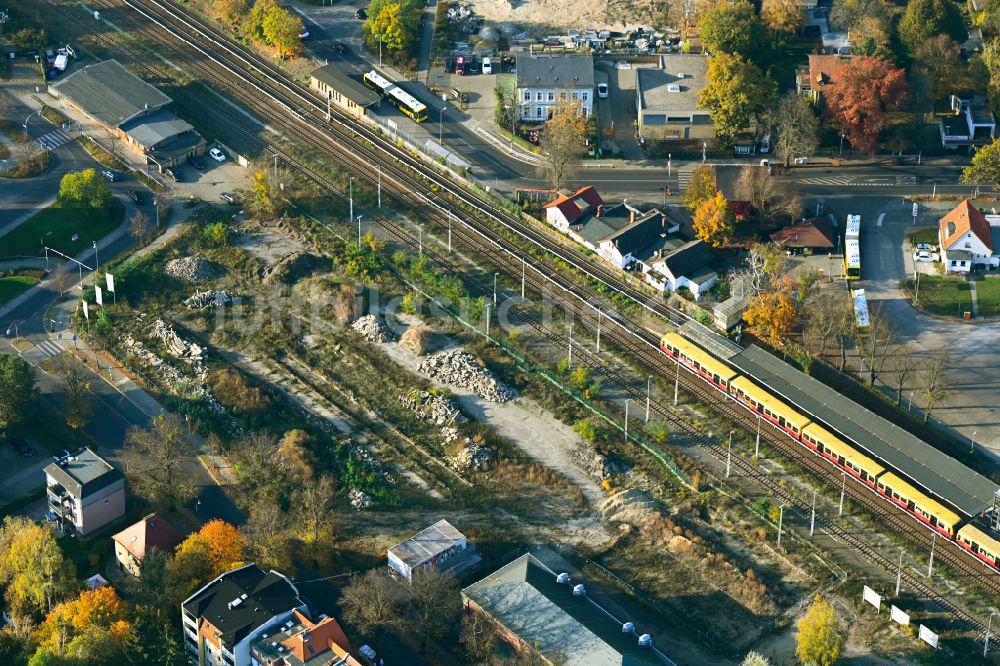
(54, 139)
(49, 348)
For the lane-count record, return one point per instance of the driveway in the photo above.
(974, 407)
(619, 108)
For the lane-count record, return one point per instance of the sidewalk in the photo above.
(426, 42)
(10, 226)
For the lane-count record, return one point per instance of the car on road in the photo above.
(602, 90)
(136, 196)
(227, 197)
(340, 48)
(361, 15)
(765, 163)
(487, 66)
(217, 155)
(801, 160)
(926, 246)
(304, 34)
(21, 447)
(197, 163)
(110, 175)
(62, 455)
(924, 255)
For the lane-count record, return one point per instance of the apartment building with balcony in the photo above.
(85, 492)
(227, 616)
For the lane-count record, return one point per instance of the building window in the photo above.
(552, 97)
(527, 96)
(562, 96)
(538, 97)
(575, 96)
(583, 96)
(538, 112)
(968, 245)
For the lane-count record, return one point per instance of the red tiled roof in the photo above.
(960, 219)
(814, 233)
(576, 205)
(150, 532)
(824, 70)
(323, 635)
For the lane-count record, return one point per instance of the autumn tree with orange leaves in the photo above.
(96, 621)
(714, 221)
(772, 315)
(214, 549)
(866, 90)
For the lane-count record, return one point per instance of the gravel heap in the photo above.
(359, 499)
(179, 347)
(373, 329)
(599, 465)
(190, 269)
(200, 300)
(437, 409)
(460, 368)
(472, 456)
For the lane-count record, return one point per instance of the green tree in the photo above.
(505, 111)
(281, 29)
(819, 640)
(393, 22)
(733, 28)
(782, 17)
(77, 400)
(700, 188)
(984, 170)
(736, 92)
(253, 26)
(231, 11)
(923, 19)
(563, 140)
(216, 234)
(154, 640)
(84, 189)
(259, 199)
(17, 390)
(939, 61)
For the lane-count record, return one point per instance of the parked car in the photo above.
(472, 66)
(765, 144)
(304, 34)
(801, 160)
(21, 447)
(765, 163)
(487, 66)
(340, 48)
(924, 255)
(217, 155)
(227, 197)
(136, 196)
(926, 246)
(174, 173)
(361, 15)
(602, 90)
(110, 175)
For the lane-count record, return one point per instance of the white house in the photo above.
(574, 208)
(686, 266)
(543, 81)
(968, 238)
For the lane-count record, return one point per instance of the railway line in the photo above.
(359, 149)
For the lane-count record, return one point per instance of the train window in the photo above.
(795, 430)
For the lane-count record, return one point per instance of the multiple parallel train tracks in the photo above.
(301, 116)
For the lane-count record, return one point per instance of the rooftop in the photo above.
(577, 204)
(817, 232)
(150, 533)
(353, 90)
(555, 71)
(155, 128)
(429, 543)
(83, 473)
(302, 642)
(665, 89)
(241, 601)
(961, 219)
(940, 475)
(110, 93)
(823, 69)
(525, 597)
(688, 259)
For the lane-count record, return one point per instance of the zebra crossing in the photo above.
(861, 181)
(54, 139)
(48, 348)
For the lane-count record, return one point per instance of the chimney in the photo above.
(600, 210)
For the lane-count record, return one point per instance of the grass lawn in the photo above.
(54, 226)
(942, 295)
(988, 296)
(12, 287)
(925, 235)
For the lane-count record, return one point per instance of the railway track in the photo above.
(358, 149)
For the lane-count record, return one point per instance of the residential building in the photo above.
(340, 89)
(685, 266)
(431, 548)
(820, 76)
(85, 492)
(965, 121)
(667, 99)
(545, 81)
(621, 247)
(808, 237)
(150, 534)
(225, 617)
(131, 109)
(573, 208)
(968, 238)
(302, 642)
(539, 610)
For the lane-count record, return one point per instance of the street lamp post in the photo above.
(972, 445)
(986, 641)
(350, 198)
(756, 450)
(495, 289)
(729, 454)
(649, 385)
(781, 517)
(843, 488)
(812, 518)
(909, 403)
(25, 125)
(359, 232)
(627, 400)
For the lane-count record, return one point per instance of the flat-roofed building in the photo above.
(431, 548)
(84, 492)
(667, 99)
(342, 90)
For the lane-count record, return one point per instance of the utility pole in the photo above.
(276, 166)
(495, 289)
(97, 262)
(569, 362)
(379, 185)
(449, 238)
(359, 232)
(972, 445)
(649, 385)
(986, 641)
(420, 240)
(729, 454)
(627, 400)
(677, 380)
(350, 190)
(899, 573)
(599, 337)
(329, 114)
(812, 519)
(756, 450)
(522, 278)
(843, 487)
(930, 563)
(487, 320)
(781, 516)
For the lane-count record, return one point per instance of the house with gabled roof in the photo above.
(685, 266)
(809, 236)
(621, 247)
(968, 238)
(150, 534)
(573, 208)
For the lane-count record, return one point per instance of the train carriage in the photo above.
(765, 404)
(981, 544)
(929, 511)
(698, 360)
(843, 454)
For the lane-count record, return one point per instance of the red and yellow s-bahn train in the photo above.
(835, 450)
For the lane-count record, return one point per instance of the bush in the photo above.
(84, 189)
(232, 390)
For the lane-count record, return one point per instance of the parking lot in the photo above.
(209, 183)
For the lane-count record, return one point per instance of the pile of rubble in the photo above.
(472, 456)
(437, 409)
(460, 368)
(212, 298)
(190, 269)
(178, 347)
(359, 499)
(172, 377)
(599, 465)
(373, 329)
